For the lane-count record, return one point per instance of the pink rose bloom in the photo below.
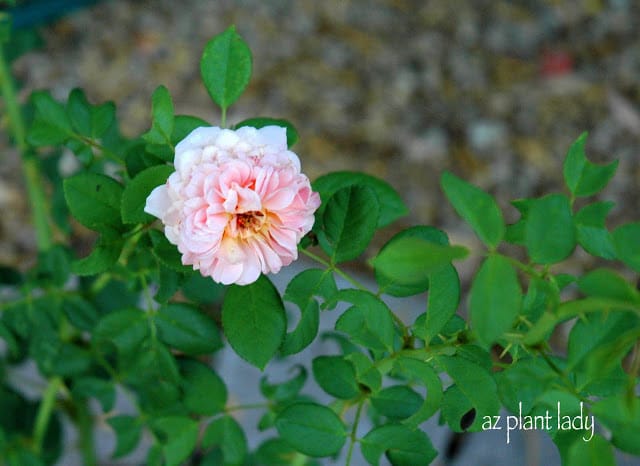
(237, 204)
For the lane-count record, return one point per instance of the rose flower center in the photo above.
(249, 222)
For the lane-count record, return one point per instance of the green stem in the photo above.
(334, 268)
(354, 430)
(44, 412)
(36, 194)
(524, 267)
(223, 117)
(247, 406)
(85, 430)
(103, 150)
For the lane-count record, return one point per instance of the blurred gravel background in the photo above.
(403, 89)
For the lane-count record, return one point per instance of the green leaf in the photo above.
(591, 230)
(79, 112)
(349, 222)
(444, 297)
(284, 391)
(336, 376)
(607, 283)
(226, 67)
(621, 415)
(397, 402)
(366, 372)
(476, 385)
(94, 200)
(275, 452)
(153, 371)
(515, 232)
(128, 431)
(166, 252)
(227, 433)
(409, 261)
(261, 122)
(596, 330)
(550, 234)
(102, 118)
(187, 329)
(523, 382)
(57, 357)
(495, 299)
(105, 253)
(311, 429)
(80, 312)
(391, 205)
(594, 215)
(420, 371)
(162, 111)
(596, 241)
(9, 340)
(427, 233)
(540, 296)
(302, 291)
(53, 266)
(402, 446)
(183, 125)
(627, 246)
(204, 391)
(42, 133)
(100, 389)
(169, 281)
(584, 178)
(51, 124)
(368, 321)
(254, 320)
(125, 329)
(596, 452)
(203, 290)
(135, 194)
(154, 456)
(181, 435)
(478, 208)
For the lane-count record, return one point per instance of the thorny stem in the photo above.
(30, 168)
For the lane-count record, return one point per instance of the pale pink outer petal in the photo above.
(274, 138)
(158, 202)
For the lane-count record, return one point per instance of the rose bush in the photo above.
(133, 320)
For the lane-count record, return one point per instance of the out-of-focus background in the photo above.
(495, 91)
(403, 89)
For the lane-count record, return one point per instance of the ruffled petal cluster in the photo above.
(237, 204)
